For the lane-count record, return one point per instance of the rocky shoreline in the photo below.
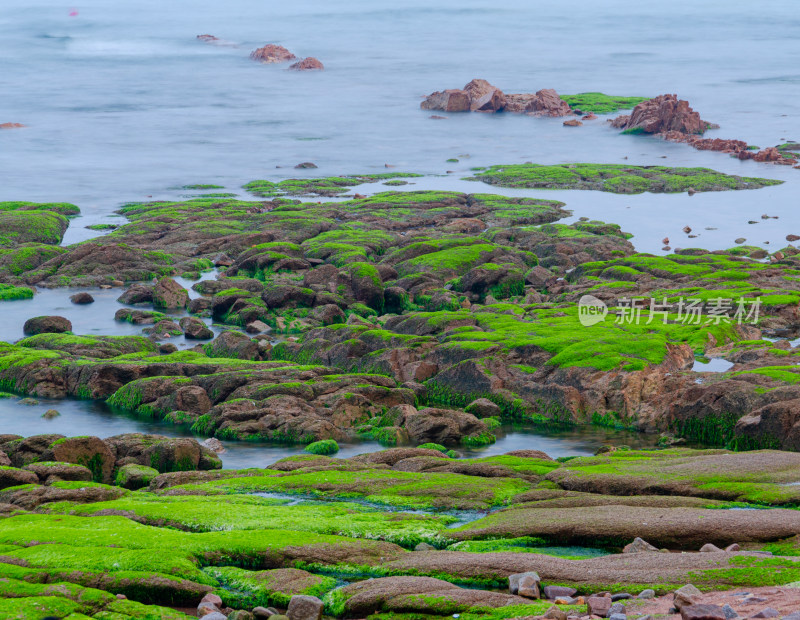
(422, 320)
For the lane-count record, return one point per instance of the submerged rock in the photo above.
(47, 325)
(307, 64)
(272, 53)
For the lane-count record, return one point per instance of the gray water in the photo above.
(122, 104)
(122, 101)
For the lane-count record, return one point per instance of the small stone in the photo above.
(709, 548)
(767, 612)
(617, 617)
(730, 612)
(121, 597)
(791, 238)
(206, 608)
(740, 240)
(691, 191)
(214, 444)
(241, 614)
(213, 599)
(50, 414)
(617, 608)
(598, 605)
(306, 165)
(732, 548)
(638, 546)
(566, 600)
(28, 401)
(572, 123)
(646, 594)
(81, 298)
(702, 612)
(423, 546)
(167, 348)
(686, 596)
(687, 229)
(303, 607)
(262, 613)
(215, 615)
(553, 592)
(529, 581)
(256, 327)
(554, 613)
(621, 596)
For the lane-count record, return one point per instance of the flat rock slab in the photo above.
(670, 569)
(746, 602)
(674, 528)
(418, 595)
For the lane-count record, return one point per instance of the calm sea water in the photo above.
(123, 103)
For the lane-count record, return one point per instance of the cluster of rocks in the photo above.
(272, 53)
(131, 460)
(481, 96)
(674, 119)
(301, 607)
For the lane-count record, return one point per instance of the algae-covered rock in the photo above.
(47, 325)
(134, 476)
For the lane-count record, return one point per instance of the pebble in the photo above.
(730, 612)
(767, 612)
(647, 594)
(621, 596)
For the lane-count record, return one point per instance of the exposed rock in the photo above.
(307, 64)
(662, 114)
(47, 325)
(709, 548)
(638, 546)
(598, 605)
(686, 596)
(81, 298)
(524, 584)
(137, 294)
(702, 612)
(170, 295)
(554, 592)
(11, 477)
(304, 607)
(12, 125)
(484, 97)
(49, 472)
(452, 100)
(572, 123)
(195, 329)
(272, 53)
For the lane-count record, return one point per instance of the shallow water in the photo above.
(715, 364)
(123, 103)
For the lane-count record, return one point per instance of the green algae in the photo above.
(9, 292)
(600, 103)
(325, 447)
(617, 178)
(248, 589)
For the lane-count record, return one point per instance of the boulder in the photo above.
(308, 64)
(304, 607)
(195, 329)
(451, 100)
(484, 97)
(483, 408)
(554, 592)
(524, 584)
(46, 325)
(686, 596)
(81, 298)
(328, 314)
(134, 476)
(662, 114)
(598, 605)
(638, 546)
(91, 452)
(12, 477)
(272, 53)
(170, 295)
(709, 548)
(442, 426)
(137, 294)
(233, 345)
(703, 612)
(49, 472)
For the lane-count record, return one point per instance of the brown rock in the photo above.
(272, 53)
(46, 325)
(702, 612)
(662, 114)
(306, 165)
(308, 64)
(792, 238)
(484, 97)
(638, 546)
(304, 607)
(686, 596)
(81, 298)
(12, 125)
(91, 452)
(572, 123)
(195, 329)
(451, 100)
(598, 605)
(170, 295)
(709, 548)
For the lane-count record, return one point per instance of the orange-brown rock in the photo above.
(573, 122)
(451, 100)
(11, 125)
(662, 114)
(272, 53)
(484, 97)
(308, 64)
